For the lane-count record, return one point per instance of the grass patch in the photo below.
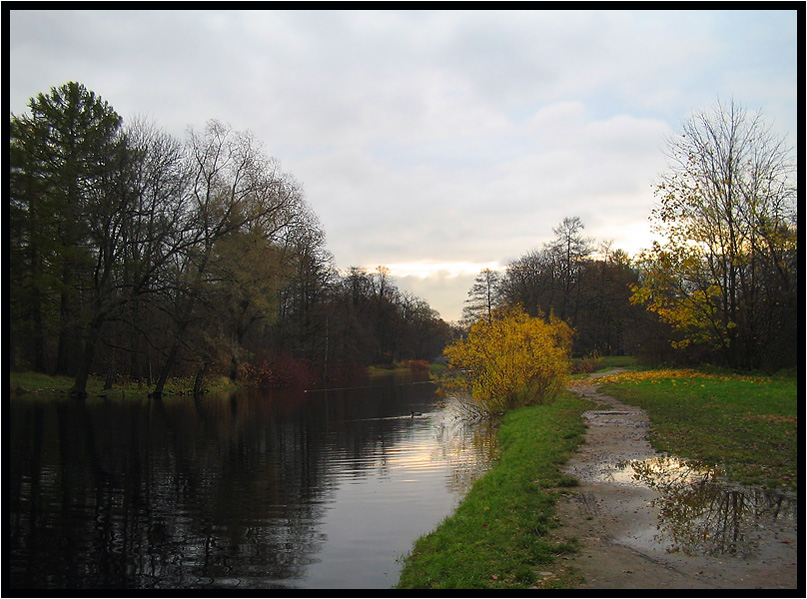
(582, 367)
(746, 425)
(437, 370)
(609, 362)
(498, 536)
(36, 382)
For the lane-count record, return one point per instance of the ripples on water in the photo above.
(280, 490)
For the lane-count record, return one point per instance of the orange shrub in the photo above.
(418, 366)
(511, 360)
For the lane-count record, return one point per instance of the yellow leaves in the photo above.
(675, 288)
(677, 374)
(513, 359)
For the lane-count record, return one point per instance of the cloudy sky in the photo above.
(436, 143)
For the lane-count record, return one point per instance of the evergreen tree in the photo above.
(62, 156)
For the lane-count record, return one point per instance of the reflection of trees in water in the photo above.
(702, 515)
(143, 494)
(466, 443)
(190, 493)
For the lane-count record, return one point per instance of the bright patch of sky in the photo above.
(437, 143)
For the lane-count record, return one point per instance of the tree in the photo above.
(605, 318)
(33, 247)
(568, 251)
(302, 320)
(423, 333)
(234, 189)
(246, 275)
(483, 297)
(590, 294)
(511, 360)
(69, 166)
(549, 280)
(178, 255)
(527, 283)
(156, 236)
(724, 271)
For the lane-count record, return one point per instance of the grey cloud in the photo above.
(458, 135)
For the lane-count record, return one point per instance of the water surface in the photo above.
(282, 489)
(700, 513)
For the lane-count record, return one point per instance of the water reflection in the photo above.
(249, 490)
(455, 441)
(700, 514)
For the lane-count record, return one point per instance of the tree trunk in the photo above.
(167, 366)
(200, 375)
(233, 368)
(65, 347)
(79, 388)
(40, 363)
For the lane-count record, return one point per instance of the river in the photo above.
(278, 489)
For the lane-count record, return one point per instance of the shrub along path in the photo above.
(634, 506)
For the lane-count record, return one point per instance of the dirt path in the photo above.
(650, 521)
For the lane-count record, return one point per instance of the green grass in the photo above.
(609, 362)
(498, 538)
(746, 425)
(582, 367)
(36, 382)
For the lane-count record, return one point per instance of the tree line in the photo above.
(719, 283)
(136, 254)
(574, 281)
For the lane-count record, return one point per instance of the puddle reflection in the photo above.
(699, 514)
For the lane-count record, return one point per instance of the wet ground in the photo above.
(646, 520)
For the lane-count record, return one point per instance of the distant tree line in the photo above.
(719, 286)
(567, 280)
(134, 254)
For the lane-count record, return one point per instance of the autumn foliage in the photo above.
(419, 366)
(511, 359)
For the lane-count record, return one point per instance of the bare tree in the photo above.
(483, 296)
(725, 268)
(233, 188)
(568, 251)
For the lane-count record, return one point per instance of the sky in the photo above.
(435, 143)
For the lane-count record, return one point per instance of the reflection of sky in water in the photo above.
(257, 489)
(435, 452)
(700, 514)
(660, 470)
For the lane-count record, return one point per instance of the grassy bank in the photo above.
(747, 425)
(498, 536)
(36, 382)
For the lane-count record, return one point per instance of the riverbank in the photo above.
(499, 536)
(584, 528)
(36, 382)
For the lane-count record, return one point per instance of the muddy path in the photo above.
(645, 520)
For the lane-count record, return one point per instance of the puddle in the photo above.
(701, 514)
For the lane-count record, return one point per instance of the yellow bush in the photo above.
(511, 360)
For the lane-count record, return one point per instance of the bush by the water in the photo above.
(419, 366)
(511, 360)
